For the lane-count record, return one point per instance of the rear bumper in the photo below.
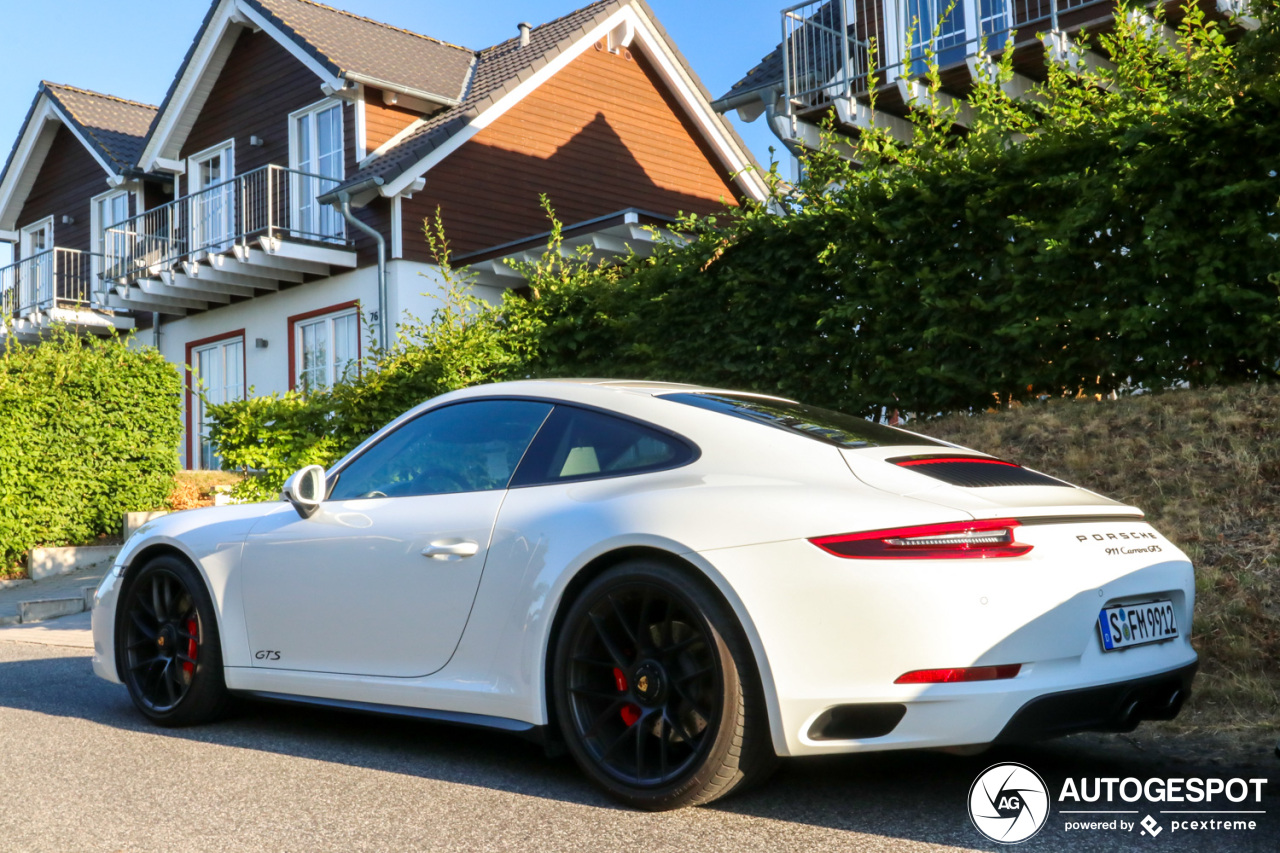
(833, 639)
(1117, 707)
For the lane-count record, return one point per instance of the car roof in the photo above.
(645, 387)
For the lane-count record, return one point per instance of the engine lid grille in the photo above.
(974, 471)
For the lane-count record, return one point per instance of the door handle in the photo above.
(451, 549)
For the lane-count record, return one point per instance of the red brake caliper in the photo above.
(191, 647)
(630, 713)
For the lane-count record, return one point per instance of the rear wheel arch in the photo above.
(602, 563)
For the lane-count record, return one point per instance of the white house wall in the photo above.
(416, 289)
(265, 317)
(413, 290)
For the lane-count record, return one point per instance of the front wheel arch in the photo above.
(142, 558)
(181, 600)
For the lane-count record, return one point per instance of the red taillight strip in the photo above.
(895, 543)
(935, 460)
(958, 674)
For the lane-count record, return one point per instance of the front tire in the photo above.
(168, 650)
(655, 692)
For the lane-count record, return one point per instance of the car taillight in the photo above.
(951, 540)
(956, 674)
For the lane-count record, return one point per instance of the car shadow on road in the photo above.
(915, 796)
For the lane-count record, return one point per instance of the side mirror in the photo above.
(305, 490)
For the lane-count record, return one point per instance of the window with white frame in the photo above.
(218, 377)
(316, 154)
(326, 349)
(949, 31)
(109, 210)
(213, 197)
(35, 274)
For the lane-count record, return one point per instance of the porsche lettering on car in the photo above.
(680, 585)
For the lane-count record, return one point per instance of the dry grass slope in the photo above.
(1205, 467)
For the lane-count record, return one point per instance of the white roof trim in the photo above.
(201, 73)
(388, 86)
(30, 153)
(732, 156)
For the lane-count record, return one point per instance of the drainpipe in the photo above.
(155, 330)
(342, 200)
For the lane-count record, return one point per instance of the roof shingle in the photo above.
(115, 126)
(498, 70)
(359, 45)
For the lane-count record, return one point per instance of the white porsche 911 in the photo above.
(679, 584)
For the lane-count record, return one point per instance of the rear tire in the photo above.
(655, 690)
(168, 650)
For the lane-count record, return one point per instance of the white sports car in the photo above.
(678, 584)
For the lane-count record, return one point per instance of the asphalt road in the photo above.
(82, 771)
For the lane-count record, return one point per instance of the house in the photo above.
(273, 224)
(835, 55)
(70, 175)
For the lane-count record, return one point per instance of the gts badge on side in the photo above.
(266, 654)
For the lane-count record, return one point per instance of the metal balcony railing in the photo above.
(270, 201)
(833, 48)
(54, 277)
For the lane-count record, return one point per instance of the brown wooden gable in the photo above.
(68, 178)
(382, 120)
(601, 135)
(260, 84)
(258, 87)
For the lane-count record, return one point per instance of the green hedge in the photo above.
(1119, 231)
(89, 429)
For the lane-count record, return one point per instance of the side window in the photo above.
(578, 444)
(467, 447)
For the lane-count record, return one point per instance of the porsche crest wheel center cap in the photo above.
(650, 683)
(167, 640)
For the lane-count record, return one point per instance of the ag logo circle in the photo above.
(1008, 803)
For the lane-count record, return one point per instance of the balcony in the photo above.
(239, 238)
(54, 286)
(833, 49)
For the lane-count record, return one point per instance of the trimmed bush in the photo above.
(89, 429)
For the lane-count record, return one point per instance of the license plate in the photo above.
(1136, 624)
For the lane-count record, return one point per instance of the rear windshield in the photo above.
(823, 424)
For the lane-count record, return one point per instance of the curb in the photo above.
(49, 608)
(51, 562)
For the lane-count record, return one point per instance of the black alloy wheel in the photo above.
(653, 685)
(167, 648)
